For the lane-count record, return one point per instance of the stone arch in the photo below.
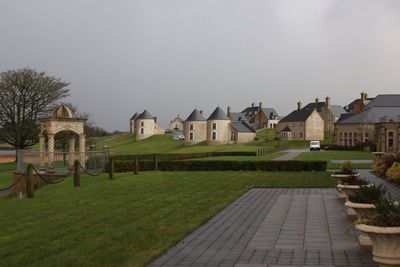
(61, 120)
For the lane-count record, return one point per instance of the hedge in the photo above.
(183, 156)
(193, 165)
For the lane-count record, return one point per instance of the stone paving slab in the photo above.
(273, 227)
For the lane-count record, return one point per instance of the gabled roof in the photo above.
(238, 116)
(336, 110)
(218, 114)
(145, 116)
(315, 105)
(134, 117)
(298, 115)
(286, 129)
(251, 111)
(177, 118)
(195, 116)
(382, 105)
(352, 105)
(242, 127)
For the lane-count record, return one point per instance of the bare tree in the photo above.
(26, 96)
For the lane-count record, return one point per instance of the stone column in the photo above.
(71, 150)
(50, 149)
(82, 149)
(42, 150)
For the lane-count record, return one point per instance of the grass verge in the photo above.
(128, 221)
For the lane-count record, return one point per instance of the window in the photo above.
(191, 127)
(350, 139)
(366, 137)
(142, 123)
(233, 136)
(214, 126)
(191, 137)
(214, 135)
(301, 135)
(141, 130)
(390, 139)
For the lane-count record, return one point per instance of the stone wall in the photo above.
(148, 127)
(245, 137)
(222, 130)
(314, 127)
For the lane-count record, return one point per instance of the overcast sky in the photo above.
(170, 56)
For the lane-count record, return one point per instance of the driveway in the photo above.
(273, 227)
(291, 154)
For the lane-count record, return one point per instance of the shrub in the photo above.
(192, 165)
(382, 164)
(183, 156)
(347, 168)
(368, 194)
(379, 166)
(393, 173)
(387, 214)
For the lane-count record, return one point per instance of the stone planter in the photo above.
(338, 175)
(385, 244)
(344, 190)
(362, 211)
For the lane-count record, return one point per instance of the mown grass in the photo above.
(126, 144)
(334, 154)
(6, 170)
(128, 221)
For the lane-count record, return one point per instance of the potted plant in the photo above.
(363, 202)
(346, 170)
(383, 229)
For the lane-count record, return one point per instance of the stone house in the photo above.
(145, 125)
(301, 124)
(132, 123)
(218, 129)
(258, 117)
(195, 128)
(176, 124)
(377, 123)
(329, 113)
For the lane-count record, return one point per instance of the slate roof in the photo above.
(195, 116)
(286, 129)
(145, 116)
(251, 111)
(351, 106)
(218, 114)
(298, 115)
(335, 109)
(134, 117)
(242, 127)
(381, 106)
(238, 116)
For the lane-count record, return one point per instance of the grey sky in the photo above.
(171, 56)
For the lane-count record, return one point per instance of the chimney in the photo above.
(364, 96)
(299, 105)
(253, 105)
(229, 111)
(260, 106)
(327, 101)
(317, 100)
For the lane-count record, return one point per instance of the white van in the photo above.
(315, 145)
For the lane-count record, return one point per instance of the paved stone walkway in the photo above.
(392, 189)
(354, 161)
(291, 154)
(273, 227)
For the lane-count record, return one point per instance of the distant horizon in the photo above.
(171, 57)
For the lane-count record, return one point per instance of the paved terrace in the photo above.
(273, 227)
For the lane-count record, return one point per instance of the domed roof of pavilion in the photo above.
(63, 112)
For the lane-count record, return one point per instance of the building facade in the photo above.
(301, 124)
(145, 125)
(176, 124)
(195, 128)
(377, 123)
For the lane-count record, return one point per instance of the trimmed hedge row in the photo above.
(183, 156)
(193, 165)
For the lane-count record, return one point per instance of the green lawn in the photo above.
(244, 158)
(6, 170)
(127, 221)
(334, 154)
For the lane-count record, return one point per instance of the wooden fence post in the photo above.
(77, 173)
(136, 166)
(111, 169)
(29, 183)
(155, 162)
